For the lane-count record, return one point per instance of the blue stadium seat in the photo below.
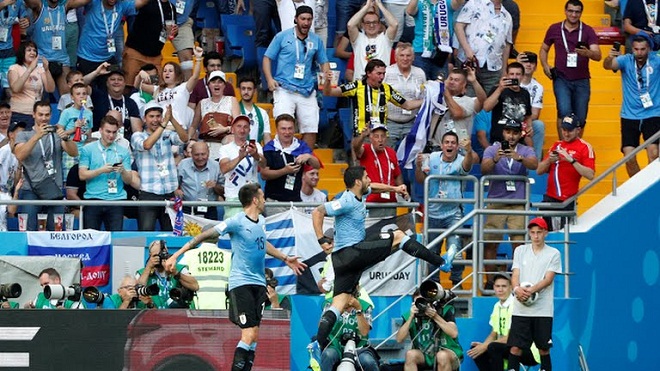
(130, 225)
(345, 116)
(207, 16)
(239, 33)
(12, 224)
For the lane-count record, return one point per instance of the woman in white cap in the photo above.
(214, 115)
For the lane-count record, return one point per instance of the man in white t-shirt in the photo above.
(308, 191)
(535, 89)
(259, 120)
(371, 42)
(239, 162)
(534, 268)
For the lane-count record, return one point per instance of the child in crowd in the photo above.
(73, 118)
(72, 78)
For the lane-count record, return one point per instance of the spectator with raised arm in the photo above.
(97, 37)
(155, 163)
(28, 79)
(212, 61)
(371, 43)
(173, 89)
(528, 82)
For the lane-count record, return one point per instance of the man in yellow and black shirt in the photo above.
(371, 96)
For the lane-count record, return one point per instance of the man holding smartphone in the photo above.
(105, 166)
(575, 44)
(507, 157)
(508, 101)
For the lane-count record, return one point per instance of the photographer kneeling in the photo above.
(433, 332)
(176, 287)
(354, 324)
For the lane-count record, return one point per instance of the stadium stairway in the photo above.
(602, 130)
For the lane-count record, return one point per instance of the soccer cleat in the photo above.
(449, 258)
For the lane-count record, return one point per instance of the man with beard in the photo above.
(640, 111)
(308, 191)
(575, 44)
(297, 52)
(508, 101)
(507, 157)
(381, 164)
(444, 215)
(461, 108)
(259, 121)
(353, 254)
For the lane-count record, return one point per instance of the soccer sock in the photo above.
(514, 362)
(326, 324)
(546, 363)
(250, 359)
(241, 354)
(416, 249)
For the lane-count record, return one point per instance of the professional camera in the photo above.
(182, 295)
(272, 282)
(10, 291)
(61, 292)
(163, 255)
(150, 290)
(92, 295)
(349, 357)
(432, 294)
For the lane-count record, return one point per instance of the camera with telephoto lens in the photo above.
(10, 291)
(272, 282)
(434, 295)
(348, 362)
(93, 295)
(150, 290)
(163, 255)
(61, 292)
(182, 295)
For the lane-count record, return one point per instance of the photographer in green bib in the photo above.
(177, 286)
(432, 329)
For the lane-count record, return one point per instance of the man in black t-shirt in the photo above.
(636, 20)
(153, 25)
(508, 101)
(113, 98)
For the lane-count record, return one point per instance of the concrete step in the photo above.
(535, 19)
(555, 9)
(332, 170)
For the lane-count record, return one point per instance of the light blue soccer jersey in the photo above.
(349, 213)
(248, 249)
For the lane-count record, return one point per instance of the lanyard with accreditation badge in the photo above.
(571, 58)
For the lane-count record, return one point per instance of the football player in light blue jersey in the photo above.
(352, 254)
(247, 280)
